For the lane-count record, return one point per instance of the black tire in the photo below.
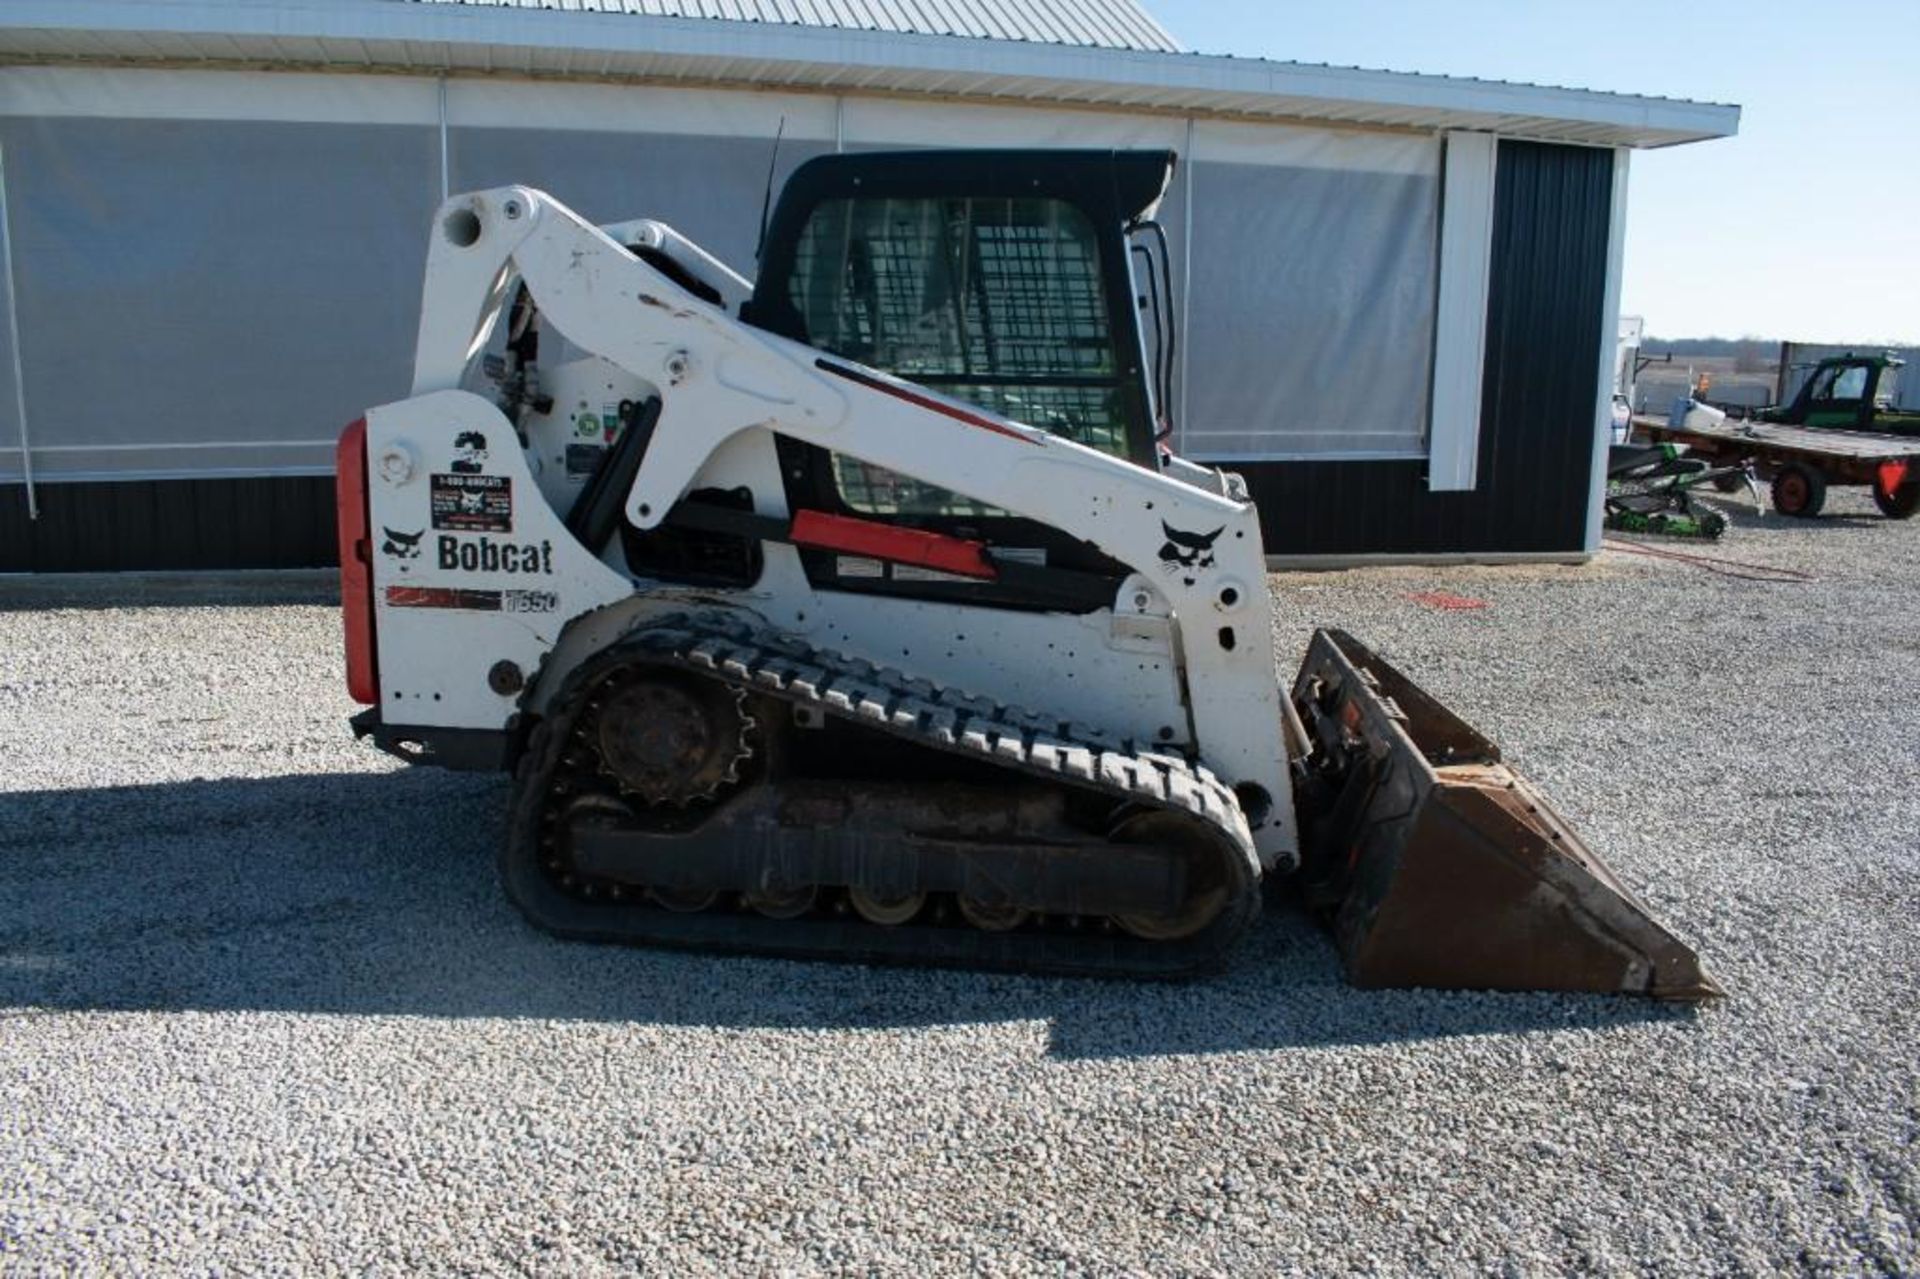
(1799, 491)
(1902, 504)
(1729, 483)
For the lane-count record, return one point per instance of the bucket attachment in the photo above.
(1440, 866)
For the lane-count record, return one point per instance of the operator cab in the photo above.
(1003, 278)
(1838, 395)
(1034, 284)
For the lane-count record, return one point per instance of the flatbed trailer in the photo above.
(1803, 462)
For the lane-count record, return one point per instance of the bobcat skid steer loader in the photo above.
(856, 612)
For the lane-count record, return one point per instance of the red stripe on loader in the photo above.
(356, 568)
(900, 392)
(843, 533)
(443, 597)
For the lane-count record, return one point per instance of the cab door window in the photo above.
(1851, 384)
(997, 301)
(1840, 396)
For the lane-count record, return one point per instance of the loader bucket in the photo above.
(1437, 865)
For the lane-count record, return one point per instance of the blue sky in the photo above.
(1805, 226)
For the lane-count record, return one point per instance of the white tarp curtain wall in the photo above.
(212, 298)
(1313, 284)
(215, 271)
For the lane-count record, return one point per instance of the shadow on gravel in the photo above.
(374, 893)
(1747, 517)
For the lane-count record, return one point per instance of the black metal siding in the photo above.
(278, 522)
(1545, 317)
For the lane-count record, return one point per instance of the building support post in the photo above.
(1470, 175)
(13, 343)
(1609, 350)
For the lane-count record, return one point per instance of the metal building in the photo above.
(1397, 292)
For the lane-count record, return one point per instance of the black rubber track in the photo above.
(887, 702)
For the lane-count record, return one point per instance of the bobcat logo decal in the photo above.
(1187, 553)
(401, 546)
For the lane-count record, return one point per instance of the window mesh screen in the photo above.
(998, 302)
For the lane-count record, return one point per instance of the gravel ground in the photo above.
(262, 1007)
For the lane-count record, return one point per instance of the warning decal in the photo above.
(472, 503)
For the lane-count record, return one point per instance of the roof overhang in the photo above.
(364, 35)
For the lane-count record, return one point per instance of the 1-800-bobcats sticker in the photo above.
(472, 503)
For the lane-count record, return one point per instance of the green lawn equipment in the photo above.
(1650, 490)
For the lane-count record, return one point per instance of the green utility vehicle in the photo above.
(1849, 393)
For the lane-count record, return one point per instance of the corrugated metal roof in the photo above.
(1100, 24)
(438, 36)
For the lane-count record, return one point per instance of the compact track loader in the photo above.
(858, 612)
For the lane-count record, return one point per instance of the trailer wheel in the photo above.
(1799, 491)
(1903, 502)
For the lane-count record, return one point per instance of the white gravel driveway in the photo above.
(263, 1008)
